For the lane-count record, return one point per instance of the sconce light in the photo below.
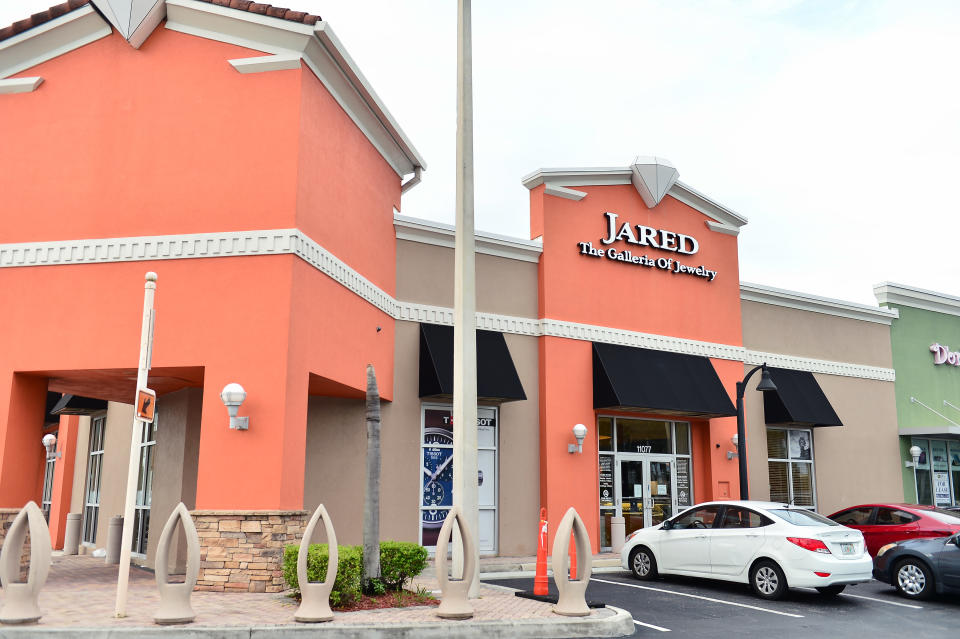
(915, 453)
(233, 396)
(579, 431)
(735, 440)
(50, 443)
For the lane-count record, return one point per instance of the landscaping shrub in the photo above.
(346, 587)
(401, 561)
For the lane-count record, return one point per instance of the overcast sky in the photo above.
(833, 126)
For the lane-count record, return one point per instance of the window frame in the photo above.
(790, 461)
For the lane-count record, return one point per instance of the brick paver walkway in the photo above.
(81, 592)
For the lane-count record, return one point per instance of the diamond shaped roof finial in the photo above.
(653, 177)
(134, 19)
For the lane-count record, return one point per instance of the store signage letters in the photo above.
(943, 355)
(641, 235)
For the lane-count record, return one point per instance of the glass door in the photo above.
(646, 491)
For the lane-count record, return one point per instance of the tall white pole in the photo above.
(146, 346)
(465, 489)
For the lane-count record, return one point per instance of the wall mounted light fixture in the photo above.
(579, 431)
(735, 440)
(50, 443)
(233, 396)
(915, 453)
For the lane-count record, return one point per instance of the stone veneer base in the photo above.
(7, 515)
(242, 550)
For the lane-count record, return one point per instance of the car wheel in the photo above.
(767, 580)
(913, 579)
(642, 563)
(831, 591)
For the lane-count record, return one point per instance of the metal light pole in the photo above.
(143, 371)
(465, 489)
(766, 384)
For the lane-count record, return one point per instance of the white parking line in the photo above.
(650, 625)
(892, 603)
(684, 594)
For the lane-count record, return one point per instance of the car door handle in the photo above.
(752, 535)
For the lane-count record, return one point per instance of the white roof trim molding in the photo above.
(816, 304)
(722, 219)
(564, 192)
(20, 85)
(51, 39)
(278, 62)
(438, 234)
(323, 53)
(903, 295)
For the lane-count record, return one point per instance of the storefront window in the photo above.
(790, 465)
(436, 474)
(955, 470)
(924, 492)
(643, 436)
(648, 477)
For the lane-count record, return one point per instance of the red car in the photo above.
(883, 524)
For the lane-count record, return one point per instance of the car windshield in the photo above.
(944, 516)
(802, 517)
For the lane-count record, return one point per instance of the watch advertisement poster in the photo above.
(800, 444)
(437, 470)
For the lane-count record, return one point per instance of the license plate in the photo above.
(847, 549)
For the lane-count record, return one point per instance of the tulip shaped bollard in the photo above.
(453, 600)
(572, 600)
(20, 598)
(175, 598)
(315, 597)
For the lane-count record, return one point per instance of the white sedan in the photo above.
(767, 545)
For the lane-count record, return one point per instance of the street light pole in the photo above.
(766, 384)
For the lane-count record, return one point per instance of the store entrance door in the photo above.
(646, 492)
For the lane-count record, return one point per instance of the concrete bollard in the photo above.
(618, 533)
(114, 536)
(453, 600)
(175, 598)
(572, 601)
(20, 601)
(315, 597)
(71, 538)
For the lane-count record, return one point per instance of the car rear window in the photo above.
(802, 517)
(944, 516)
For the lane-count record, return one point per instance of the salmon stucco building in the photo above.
(236, 150)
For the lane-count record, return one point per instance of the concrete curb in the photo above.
(604, 622)
(523, 574)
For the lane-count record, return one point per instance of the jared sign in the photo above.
(640, 235)
(943, 355)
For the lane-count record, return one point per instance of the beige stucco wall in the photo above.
(175, 457)
(856, 462)
(113, 478)
(504, 286)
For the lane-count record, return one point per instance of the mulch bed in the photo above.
(388, 600)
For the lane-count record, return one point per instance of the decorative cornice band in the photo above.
(295, 242)
(61, 35)
(902, 295)
(816, 304)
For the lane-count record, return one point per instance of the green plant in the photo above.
(346, 586)
(401, 561)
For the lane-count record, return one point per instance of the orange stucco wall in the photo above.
(171, 139)
(602, 292)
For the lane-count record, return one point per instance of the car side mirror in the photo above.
(956, 541)
(667, 525)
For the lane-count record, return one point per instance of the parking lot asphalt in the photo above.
(703, 608)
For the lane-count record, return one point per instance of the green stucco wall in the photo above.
(911, 336)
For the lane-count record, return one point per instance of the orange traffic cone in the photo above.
(573, 557)
(540, 580)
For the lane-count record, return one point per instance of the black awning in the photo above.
(497, 377)
(657, 382)
(76, 405)
(797, 400)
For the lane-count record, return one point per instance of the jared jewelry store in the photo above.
(622, 311)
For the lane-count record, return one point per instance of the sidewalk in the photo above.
(78, 601)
